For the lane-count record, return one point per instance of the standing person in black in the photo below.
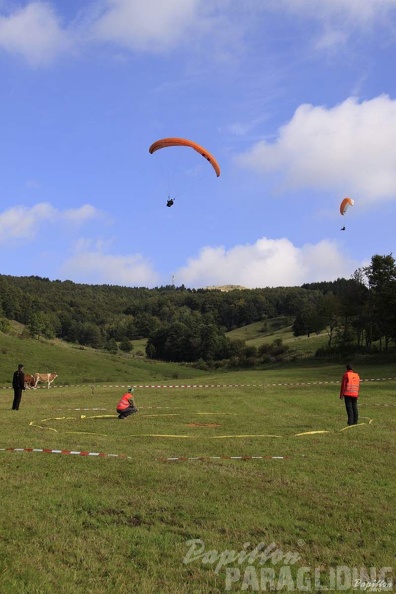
(18, 383)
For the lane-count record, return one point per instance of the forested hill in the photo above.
(358, 311)
(66, 301)
(65, 309)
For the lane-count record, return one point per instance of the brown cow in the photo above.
(44, 377)
(29, 381)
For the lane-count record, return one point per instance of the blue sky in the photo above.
(296, 99)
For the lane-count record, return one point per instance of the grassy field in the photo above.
(263, 457)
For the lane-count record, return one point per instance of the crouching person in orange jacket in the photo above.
(126, 405)
(349, 391)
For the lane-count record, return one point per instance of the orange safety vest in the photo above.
(350, 384)
(124, 402)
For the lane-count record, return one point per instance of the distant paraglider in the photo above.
(170, 202)
(345, 204)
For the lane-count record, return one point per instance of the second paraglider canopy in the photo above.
(345, 204)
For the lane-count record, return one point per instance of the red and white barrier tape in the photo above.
(163, 459)
(67, 452)
(184, 386)
(203, 458)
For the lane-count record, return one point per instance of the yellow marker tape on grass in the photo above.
(351, 426)
(33, 424)
(200, 436)
(86, 433)
(358, 424)
(116, 416)
(162, 415)
(310, 433)
(58, 419)
(214, 413)
(172, 436)
(98, 417)
(240, 436)
(159, 435)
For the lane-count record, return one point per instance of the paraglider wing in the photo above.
(345, 204)
(167, 142)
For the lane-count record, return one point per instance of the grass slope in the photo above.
(266, 332)
(78, 365)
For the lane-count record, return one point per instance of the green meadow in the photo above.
(223, 482)
(280, 328)
(265, 463)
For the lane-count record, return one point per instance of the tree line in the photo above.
(359, 313)
(182, 324)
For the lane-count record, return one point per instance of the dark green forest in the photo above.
(190, 325)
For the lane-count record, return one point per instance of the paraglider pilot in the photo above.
(342, 228)
(170, 202)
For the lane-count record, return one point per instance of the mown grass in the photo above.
(76, 524)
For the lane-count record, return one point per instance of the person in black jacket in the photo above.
(18, 383)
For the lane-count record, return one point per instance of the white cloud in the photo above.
(348, 148)
(331, 40)
(21, 222)
(82, 214)
(34, 33)
(360, 10)
(336, 21)
(91, 264)
(151, 25)
(266, 263)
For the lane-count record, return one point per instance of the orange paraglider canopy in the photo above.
(345, 204)
(166, 142)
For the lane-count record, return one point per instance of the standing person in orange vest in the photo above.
(350, 392)
(126, 405)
